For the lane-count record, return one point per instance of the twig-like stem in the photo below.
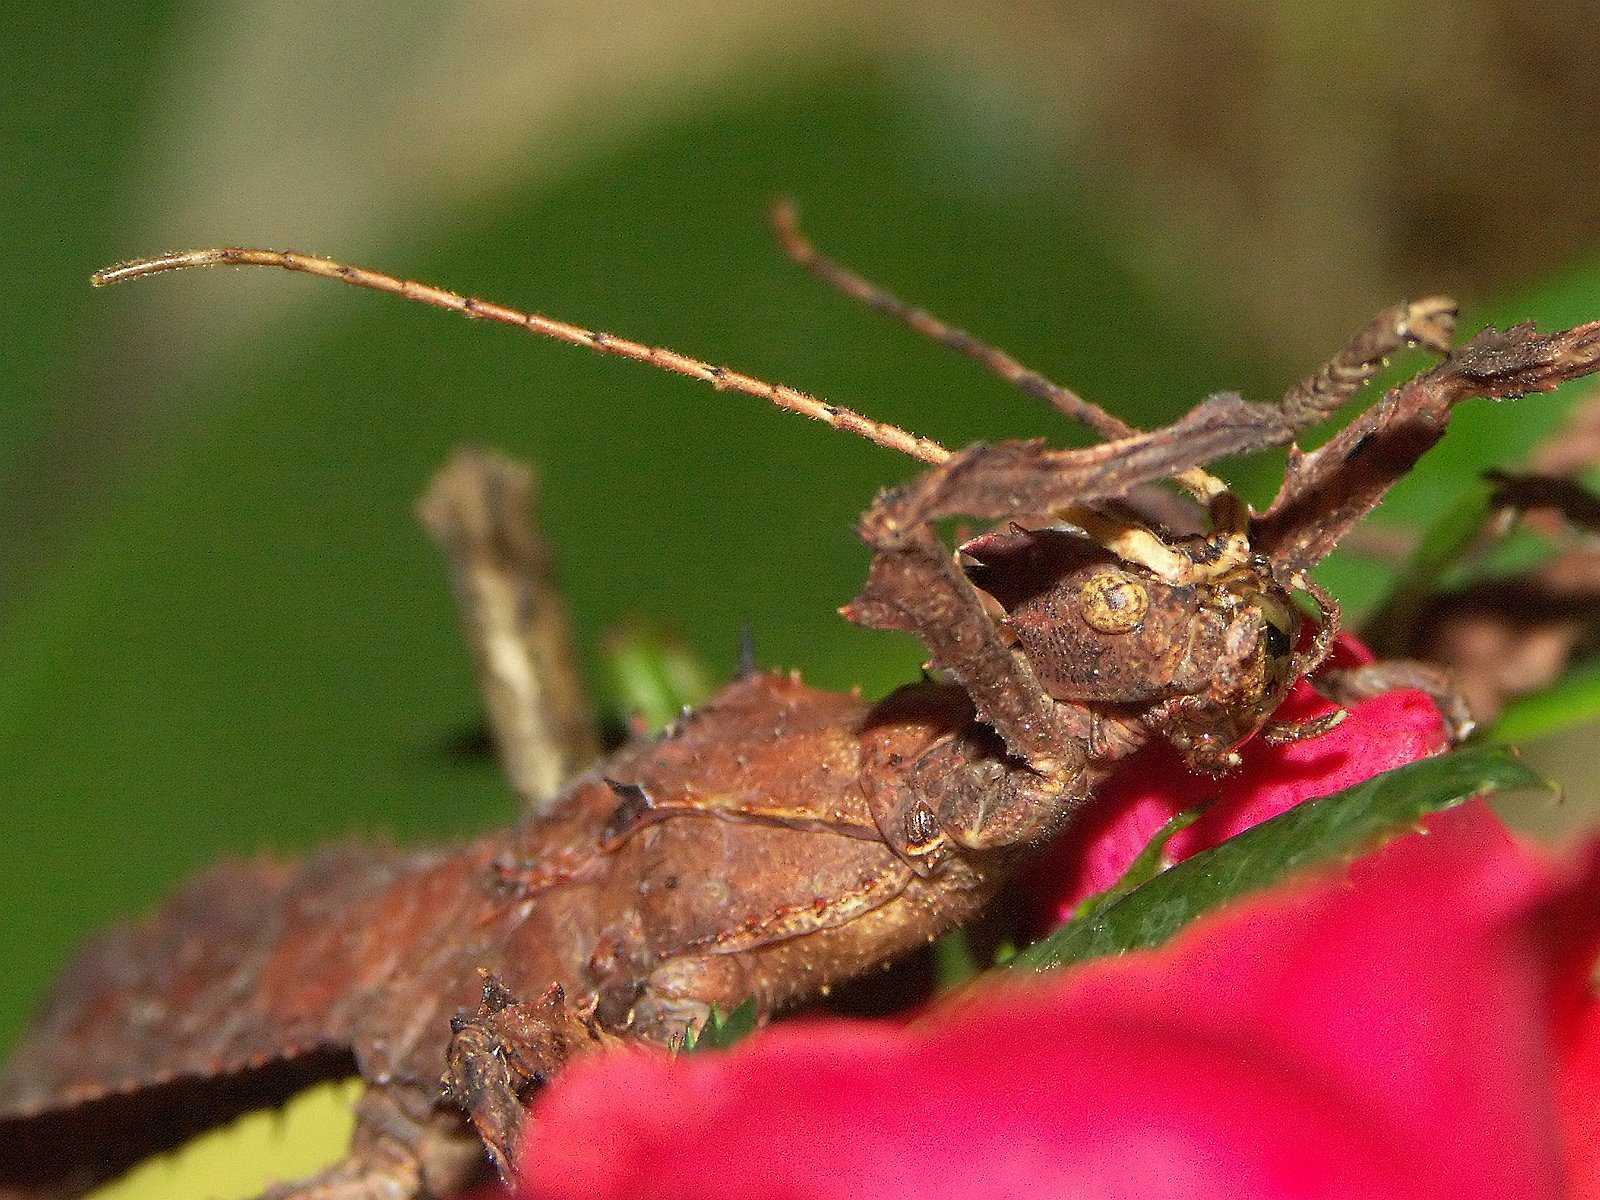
(478, 509)
(890, 437)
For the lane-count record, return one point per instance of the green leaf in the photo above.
(720, 1032)
(1334, 828)
(1149, 863)
(954, 960)
(1573, 700)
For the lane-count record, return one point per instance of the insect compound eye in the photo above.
(1113, 603)
(1277, 641)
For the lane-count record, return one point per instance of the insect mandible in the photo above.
(779, 840)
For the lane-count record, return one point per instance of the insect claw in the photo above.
(496, 995)
(1282, 733)
(1431, 323)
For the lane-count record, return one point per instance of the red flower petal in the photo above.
(1579, 1101)
(1396, 1030)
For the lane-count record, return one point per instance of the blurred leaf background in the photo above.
(220, 629)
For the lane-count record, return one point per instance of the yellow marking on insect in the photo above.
(1114, 603)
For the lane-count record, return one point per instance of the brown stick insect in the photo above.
(777, 841)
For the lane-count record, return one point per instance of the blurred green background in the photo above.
(221, 630)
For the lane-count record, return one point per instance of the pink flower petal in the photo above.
(1579, 1100)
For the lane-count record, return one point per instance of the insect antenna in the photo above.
(786, 227)
(890, 437)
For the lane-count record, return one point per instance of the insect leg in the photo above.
(502, 1054)
(1496, 637)
(915, 584)
(1517, 493)
(1429, 323)
(1011, 478)
(1354, 684)
(400, 1151)
(478, 509)
(1326, 492)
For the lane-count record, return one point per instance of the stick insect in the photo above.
(779, 840)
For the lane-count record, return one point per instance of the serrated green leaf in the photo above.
(1331, 829)
(719, 1032)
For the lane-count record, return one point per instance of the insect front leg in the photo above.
(915, 584)
(978, 797)
(501, 1054)
(1327, 491)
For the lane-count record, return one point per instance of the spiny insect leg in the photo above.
(1429, 323)
(1327, 491)
(915, 584)
(500, 1054)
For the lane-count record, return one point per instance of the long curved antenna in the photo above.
(890, 437)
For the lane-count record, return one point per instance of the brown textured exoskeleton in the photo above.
(779, 840)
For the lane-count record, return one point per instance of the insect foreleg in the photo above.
(1429, 323)
(1355, 684)
(1327, 491)
(916, 585)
